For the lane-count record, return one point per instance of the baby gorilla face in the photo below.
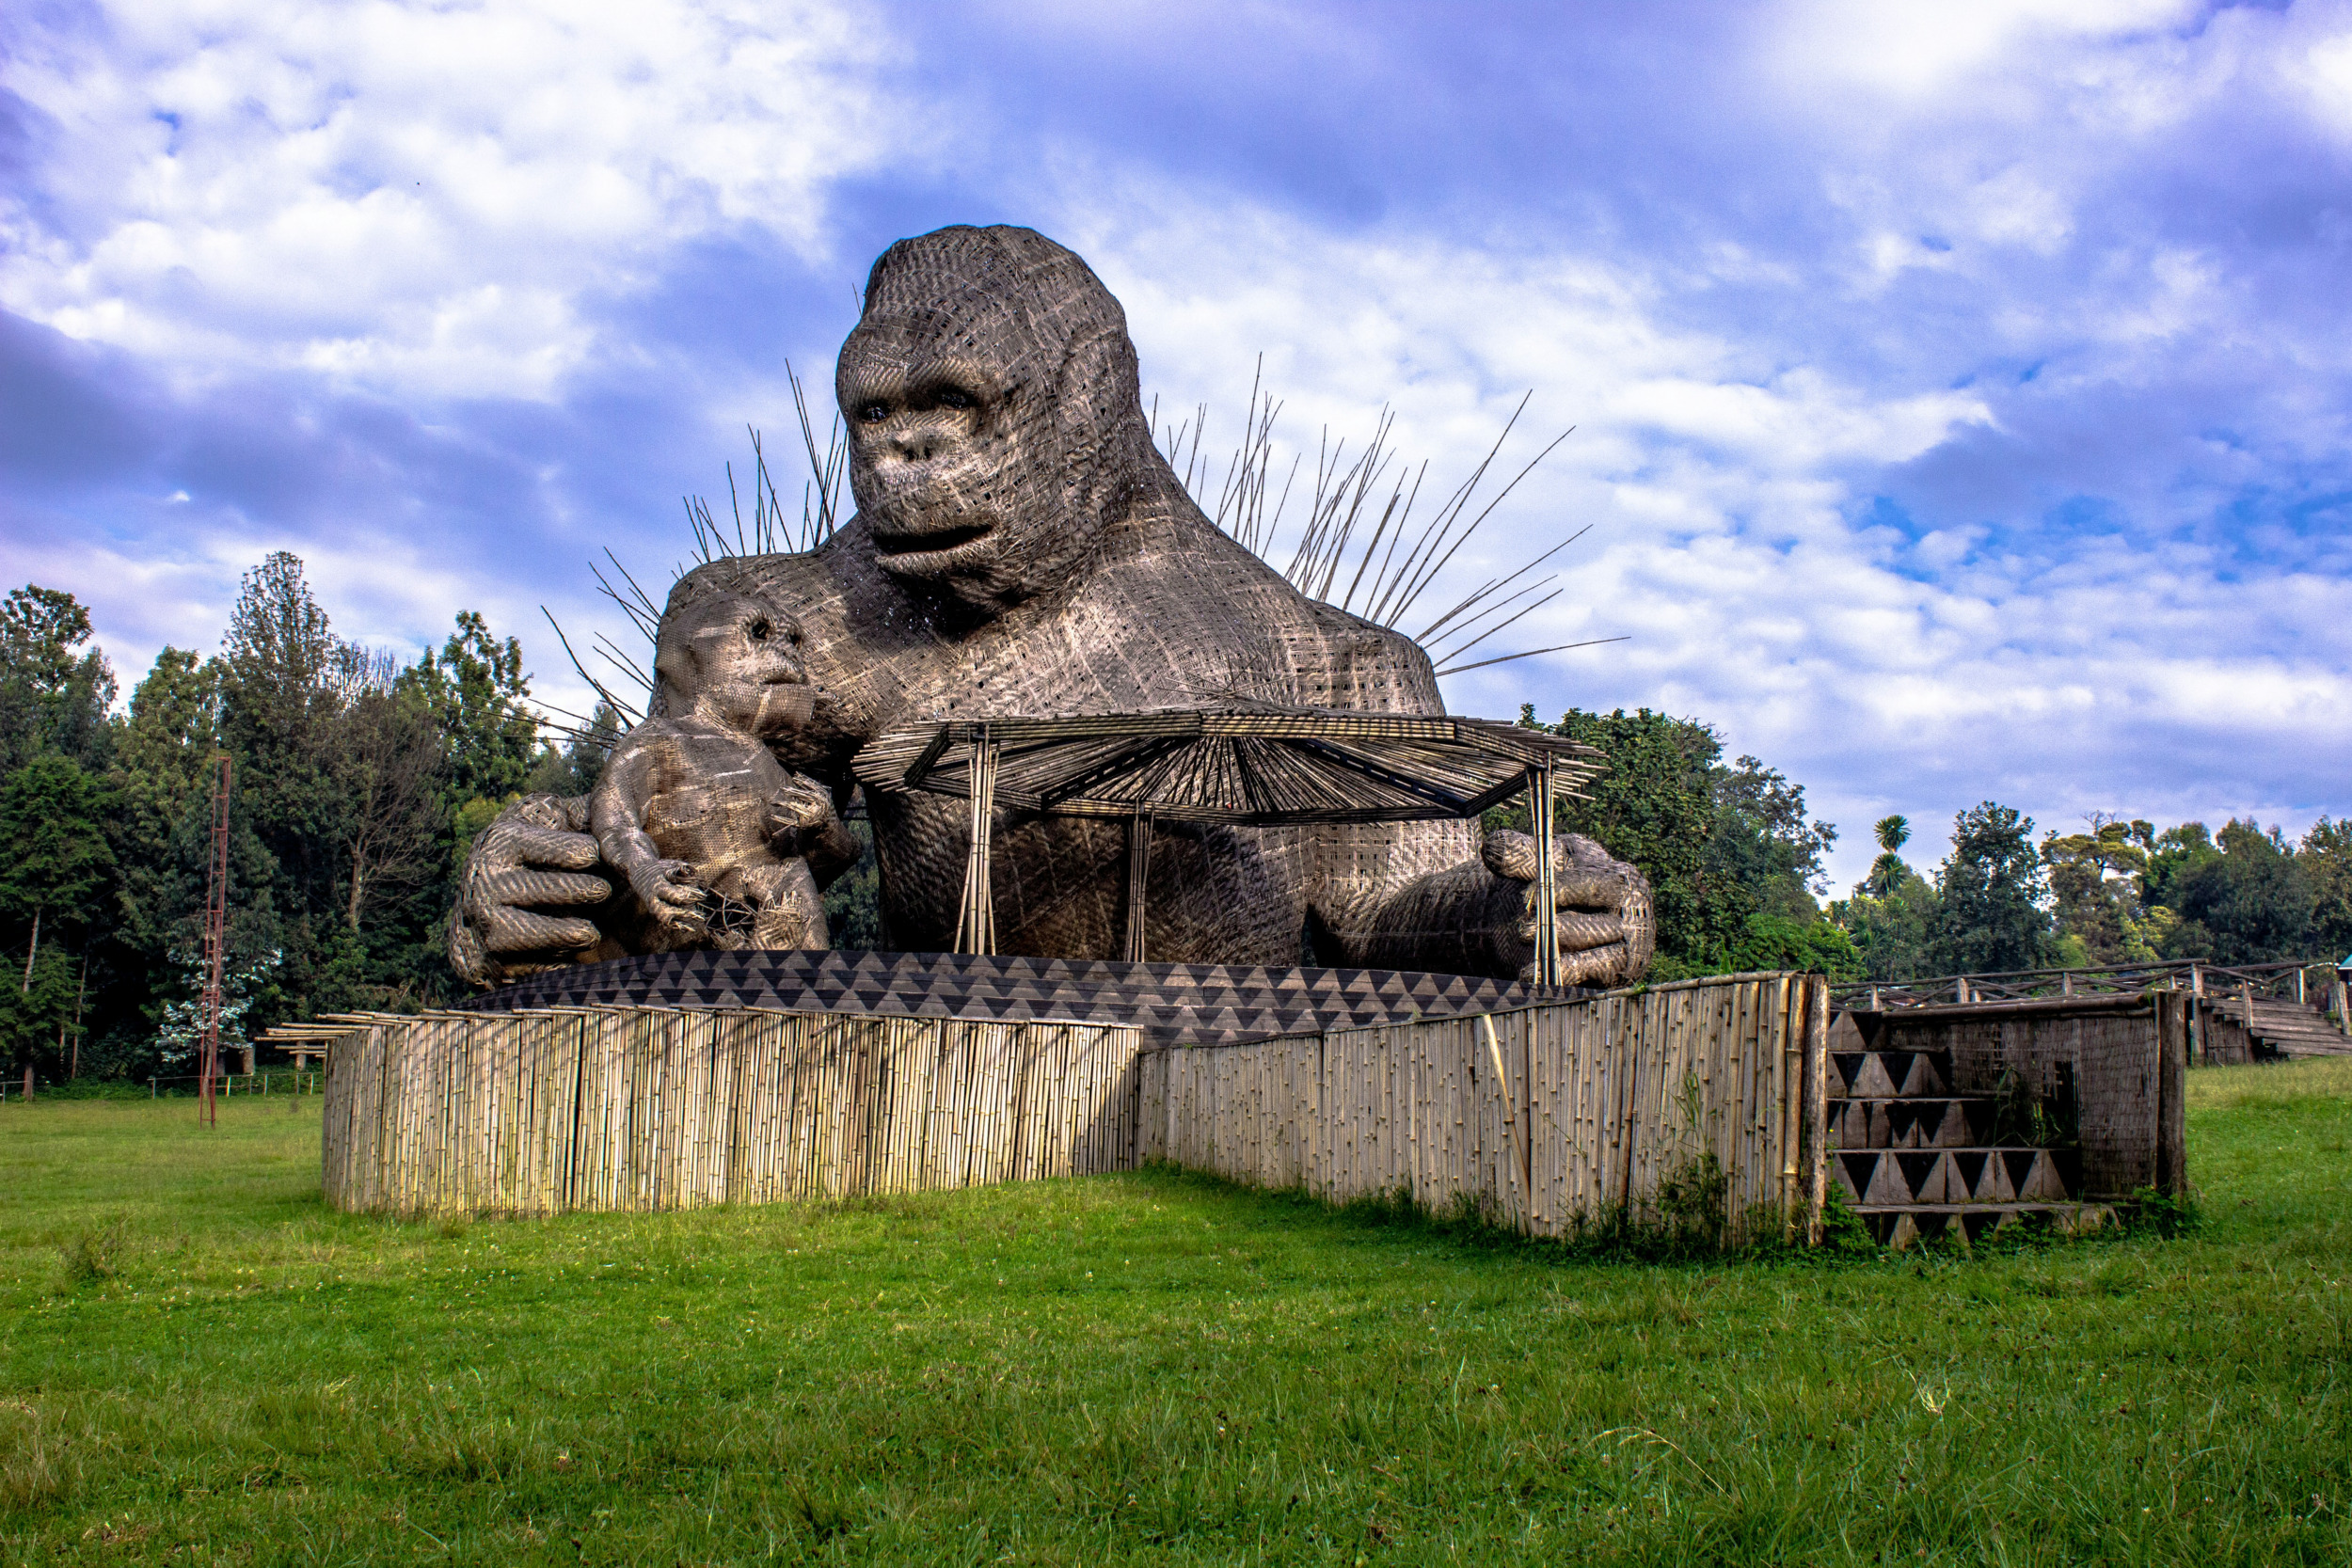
(736, 660)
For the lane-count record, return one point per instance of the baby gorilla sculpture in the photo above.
(1020, 547)
(714, 836)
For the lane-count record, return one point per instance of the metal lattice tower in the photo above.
(215, 937)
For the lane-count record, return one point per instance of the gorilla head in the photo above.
(995, 425)
(735, 658)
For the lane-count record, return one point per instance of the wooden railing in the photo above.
(2312, 983)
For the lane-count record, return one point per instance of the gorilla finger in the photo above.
(1509, 854)
(468, 955)
(520, 931)
(539, 887)
(1589, 890)
(548, 849)
(1580, 932)
(1595, 963)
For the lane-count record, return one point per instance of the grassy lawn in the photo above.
(198, 1362)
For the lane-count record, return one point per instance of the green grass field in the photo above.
(200, 1363)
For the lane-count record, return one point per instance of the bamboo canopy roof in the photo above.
(1238, 766)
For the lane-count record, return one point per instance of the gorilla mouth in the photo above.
(935, 542)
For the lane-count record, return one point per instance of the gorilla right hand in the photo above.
(536, 858)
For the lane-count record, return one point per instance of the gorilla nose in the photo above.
(920, 445)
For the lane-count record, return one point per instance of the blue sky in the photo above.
(1960, 393)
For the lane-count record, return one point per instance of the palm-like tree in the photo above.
(1887, 870)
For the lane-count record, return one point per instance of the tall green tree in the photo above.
(285, 682)
(1989, 908)
(1730, 854)
(395, 769)
(2095, 878)
(1654, 805)
(1763, 840)
(2241, 897)
(52, 697)
(2326, 855)
(53, 818)
(576, 768)
(1887, 871)
(303, 714)
(1893, 928)
(52, 882)
(163, 770)
(479, 696)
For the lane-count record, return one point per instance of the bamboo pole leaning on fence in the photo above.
(1546, 1118)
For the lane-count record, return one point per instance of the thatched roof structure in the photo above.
(1259, 767)
(1243, 768)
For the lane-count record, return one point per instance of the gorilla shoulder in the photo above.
(1182, 570)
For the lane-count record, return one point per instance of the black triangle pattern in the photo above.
(1172, 1004)
(1914, 1158)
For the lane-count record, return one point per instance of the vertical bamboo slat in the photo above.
(1548, 1118)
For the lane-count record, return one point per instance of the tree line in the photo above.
(358, 785)
(1735, 865)
(2119, 893)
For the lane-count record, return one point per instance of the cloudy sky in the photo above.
(1960, 392)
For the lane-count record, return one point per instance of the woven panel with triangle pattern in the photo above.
(1172, 1004)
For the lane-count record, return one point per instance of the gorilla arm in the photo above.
(527, 883)
(1430, 896)
(536, 875)
(801, 821)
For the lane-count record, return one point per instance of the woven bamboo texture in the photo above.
(1545, 1119)
(653, 1109)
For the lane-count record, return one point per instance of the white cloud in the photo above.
(414, 197)
(2325, 73)
(1891, 675)
(1915, 47)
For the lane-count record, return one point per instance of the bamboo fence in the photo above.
(1544, 1117)
(653, 1109)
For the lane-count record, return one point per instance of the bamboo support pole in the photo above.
(1139, 877)
(1539, 813)
(976, 928)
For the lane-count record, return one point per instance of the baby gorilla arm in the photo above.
(617, 814)
(801, 821)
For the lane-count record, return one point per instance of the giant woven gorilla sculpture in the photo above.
(1021, 547)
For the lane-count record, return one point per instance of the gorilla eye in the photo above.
(758, 630)
(956, 397)
(873, 413)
